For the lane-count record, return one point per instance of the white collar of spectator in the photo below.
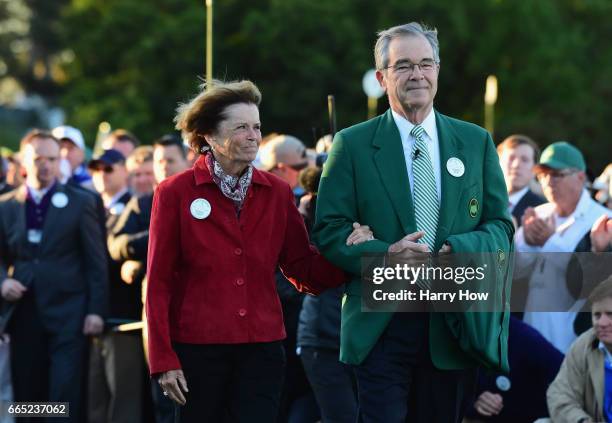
(115, 199)
(607, 353)
(38, 194)
(516, 197)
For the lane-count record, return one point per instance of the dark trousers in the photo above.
(45, 366)
(116, 375)
(333, 384)
(232, 383)
(397, 382)
(164, 409)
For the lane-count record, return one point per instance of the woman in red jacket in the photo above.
(218, 232)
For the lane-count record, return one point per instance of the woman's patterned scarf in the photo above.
(234, 188)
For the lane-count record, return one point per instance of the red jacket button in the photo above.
(242, 312)
(238, 251)
(239, 281)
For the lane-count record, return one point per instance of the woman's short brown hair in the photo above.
(202, 115)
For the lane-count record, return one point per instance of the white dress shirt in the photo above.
(431, 139)
(515, 197)
(113, 205)
(38, 194)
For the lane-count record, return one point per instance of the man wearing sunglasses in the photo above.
(116, 358)
(285, 156)
(571, 221)
(110, 178)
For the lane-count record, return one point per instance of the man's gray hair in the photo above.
(381, 49)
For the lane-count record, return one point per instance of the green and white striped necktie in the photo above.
(425, 194)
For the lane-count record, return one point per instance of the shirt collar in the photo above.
(583, 205)
(80, 170)
(607, 353)
(405, 126)
(38, 194)
(115, 198)
(516, 197)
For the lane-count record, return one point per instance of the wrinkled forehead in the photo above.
(166, 151)
(139, 166)
(412, 48)
(241, 113)
(603, 304)
(519, 150)
(42, 147)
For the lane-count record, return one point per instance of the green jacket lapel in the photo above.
(450, 146)
(391, 165)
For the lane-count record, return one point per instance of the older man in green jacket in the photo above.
(426, 182)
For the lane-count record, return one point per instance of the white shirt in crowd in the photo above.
(547, 272)
(514, 198)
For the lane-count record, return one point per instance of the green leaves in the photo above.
(134, 61)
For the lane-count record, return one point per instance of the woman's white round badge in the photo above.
(200, 208)
(455, 167)
(59, 200)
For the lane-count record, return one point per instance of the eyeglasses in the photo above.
(406, 66)
(555, 174)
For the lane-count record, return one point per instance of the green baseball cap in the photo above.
(562, 155)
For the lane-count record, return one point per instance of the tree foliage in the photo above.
(134, 61)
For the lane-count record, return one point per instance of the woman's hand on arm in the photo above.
(173, 385)
(360, 234)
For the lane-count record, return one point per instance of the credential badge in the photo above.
(200, 208)
(455, 167)
(59, 200)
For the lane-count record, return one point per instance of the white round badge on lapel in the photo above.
(117, 209)
(59, 200)
(455, 167)
(503, 383)
(200, 208)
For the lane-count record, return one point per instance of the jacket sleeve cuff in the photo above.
(162, 361)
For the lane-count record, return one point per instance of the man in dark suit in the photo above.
(129, 238)
(518, 155)
(116, 359)
(4, 186)
(53, 277)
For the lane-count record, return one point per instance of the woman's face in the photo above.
(239, 134)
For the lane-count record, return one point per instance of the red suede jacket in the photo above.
(211, 280)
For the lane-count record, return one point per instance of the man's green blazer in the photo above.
(365, 180)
